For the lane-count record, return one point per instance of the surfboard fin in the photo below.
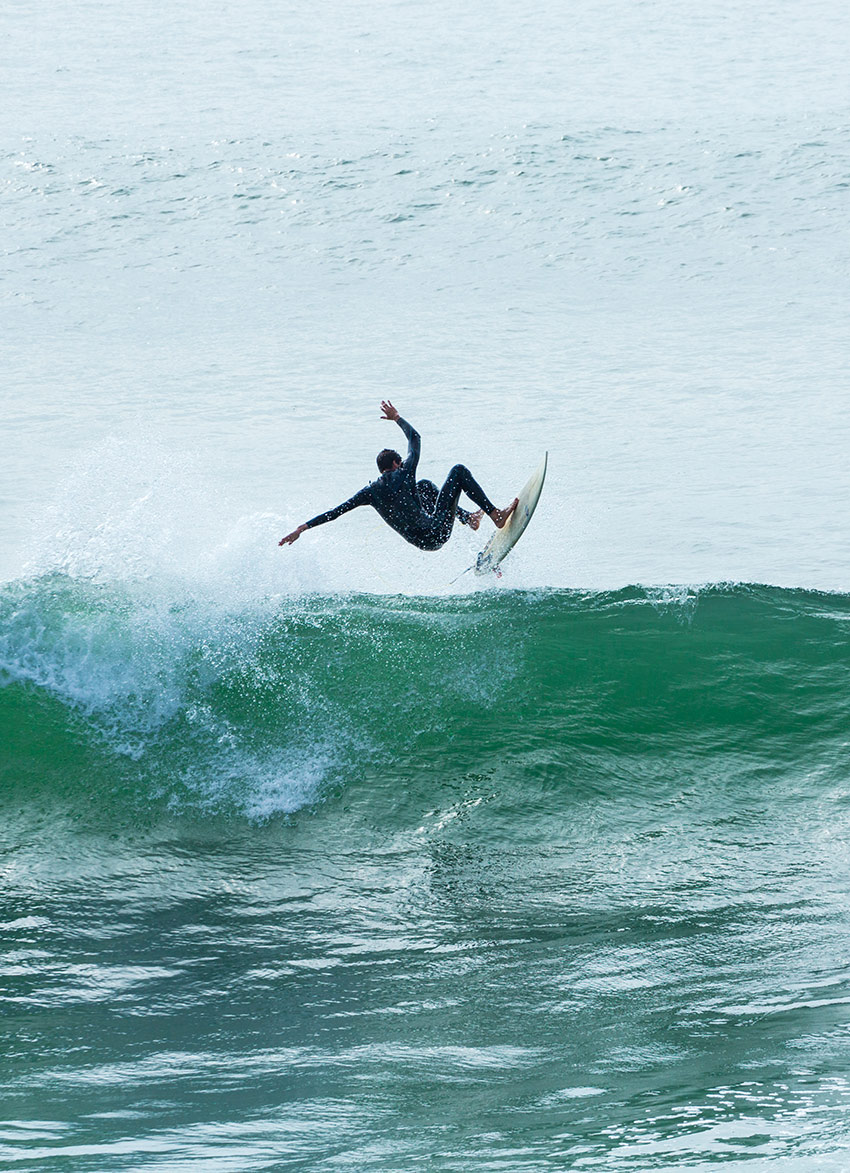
(462, 573)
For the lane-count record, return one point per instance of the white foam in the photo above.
(136, 510)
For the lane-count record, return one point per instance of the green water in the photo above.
(502, 882)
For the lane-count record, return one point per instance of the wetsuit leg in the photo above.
(460, 480)
(428, 493)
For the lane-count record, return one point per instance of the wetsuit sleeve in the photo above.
(413, 446)
(364, 497)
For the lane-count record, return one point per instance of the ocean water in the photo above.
(333, 857)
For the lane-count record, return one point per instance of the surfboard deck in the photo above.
(504, 540)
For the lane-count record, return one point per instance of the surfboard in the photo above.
(504, 540)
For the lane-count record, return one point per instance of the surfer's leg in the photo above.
(472, 489)
(459, 480)
(428, 494)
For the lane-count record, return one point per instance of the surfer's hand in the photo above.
(293, 537)
(389, 411)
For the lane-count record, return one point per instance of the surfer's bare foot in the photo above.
(499, 517)
(474, 519)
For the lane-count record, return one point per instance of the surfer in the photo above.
(419, 512)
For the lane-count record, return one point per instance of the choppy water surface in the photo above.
(325, 858)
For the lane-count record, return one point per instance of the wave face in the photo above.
(115, 695)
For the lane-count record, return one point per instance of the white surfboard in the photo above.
(504, 540)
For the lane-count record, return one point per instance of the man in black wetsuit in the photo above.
(423, 516)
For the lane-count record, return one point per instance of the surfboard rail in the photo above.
(504, 540)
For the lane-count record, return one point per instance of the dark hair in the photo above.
(387, 458)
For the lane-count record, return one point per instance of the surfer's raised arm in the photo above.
(414, 442)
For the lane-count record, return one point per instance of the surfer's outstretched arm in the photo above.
(364, 497)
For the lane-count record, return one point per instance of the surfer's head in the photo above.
(388, 459)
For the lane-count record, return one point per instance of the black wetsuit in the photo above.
(396, 496)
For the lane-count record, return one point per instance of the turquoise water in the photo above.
(326, 858)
